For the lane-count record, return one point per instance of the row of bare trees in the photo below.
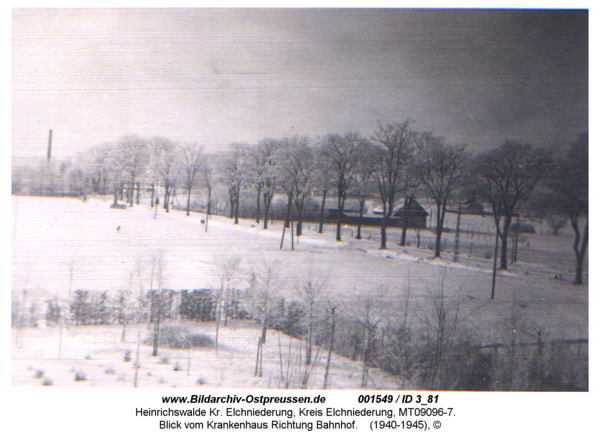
(395, 164)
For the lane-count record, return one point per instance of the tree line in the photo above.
(425, 345)
(395, 164)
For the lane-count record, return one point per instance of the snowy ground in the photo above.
(61, 244)
(98, 354)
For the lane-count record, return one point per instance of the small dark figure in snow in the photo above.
(202, 221)
(118, 228)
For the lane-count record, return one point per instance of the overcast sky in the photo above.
(230, 75)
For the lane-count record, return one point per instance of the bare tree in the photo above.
(117, 175)
(322, 182)
(442, 317)
(232, 174)
(159, 301)
(506, 177)
(228, 270)
(569, 182)
(369, 312)
(343, 155)
(364, 187)
(165, 166)
(396, 142)
(330, 309)
(133, 159)
(264, 173)
(441, 170)
(298, 172)
(97, 163)
(192, 163)
(265, 285)
(312, 292)
(410, 185)
(256, 171)
(208, 182)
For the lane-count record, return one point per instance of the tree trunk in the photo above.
(383, 232)
(231, 202)
(365, 373)
(218, 321)
(258, 204)
(309, 338)
(189, 195)
(331, 340)
(208, 206)
(338, 229)
(441, 214)
(579, 249)
(504, 245)
(167, 195)
(268, 197)
(130, 192)
(207, 210)
(237, 206)
(322, 215)
(155, 340)
(300, 208)
(439, 226)
(361, 207)
(405, 223)
(287, 220)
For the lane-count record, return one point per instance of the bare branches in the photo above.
(342, 156)
(506, 177)
(441, 169)
(569, 183)
(191, 164)
(396, 143)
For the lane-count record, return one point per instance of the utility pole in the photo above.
(495, 263)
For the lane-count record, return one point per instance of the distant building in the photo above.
(417, 216)
(472, 206)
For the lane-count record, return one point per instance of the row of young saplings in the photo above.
(440, 353)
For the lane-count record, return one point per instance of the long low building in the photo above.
(417, 216)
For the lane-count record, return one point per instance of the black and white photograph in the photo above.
(299, 199)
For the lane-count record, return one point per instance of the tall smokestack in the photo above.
(50, 145)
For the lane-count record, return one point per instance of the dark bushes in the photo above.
(180, 336)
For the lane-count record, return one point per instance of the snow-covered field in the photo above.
(60, 245)
(97, 353)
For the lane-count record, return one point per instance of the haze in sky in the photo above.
(217, 76)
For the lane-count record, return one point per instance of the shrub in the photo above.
(47, 382)
(199, 340)
(180, 336)
(288, 318)
(39, 374)
(197, 305)
(80, 376)
(127, 356)
(53, 312)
